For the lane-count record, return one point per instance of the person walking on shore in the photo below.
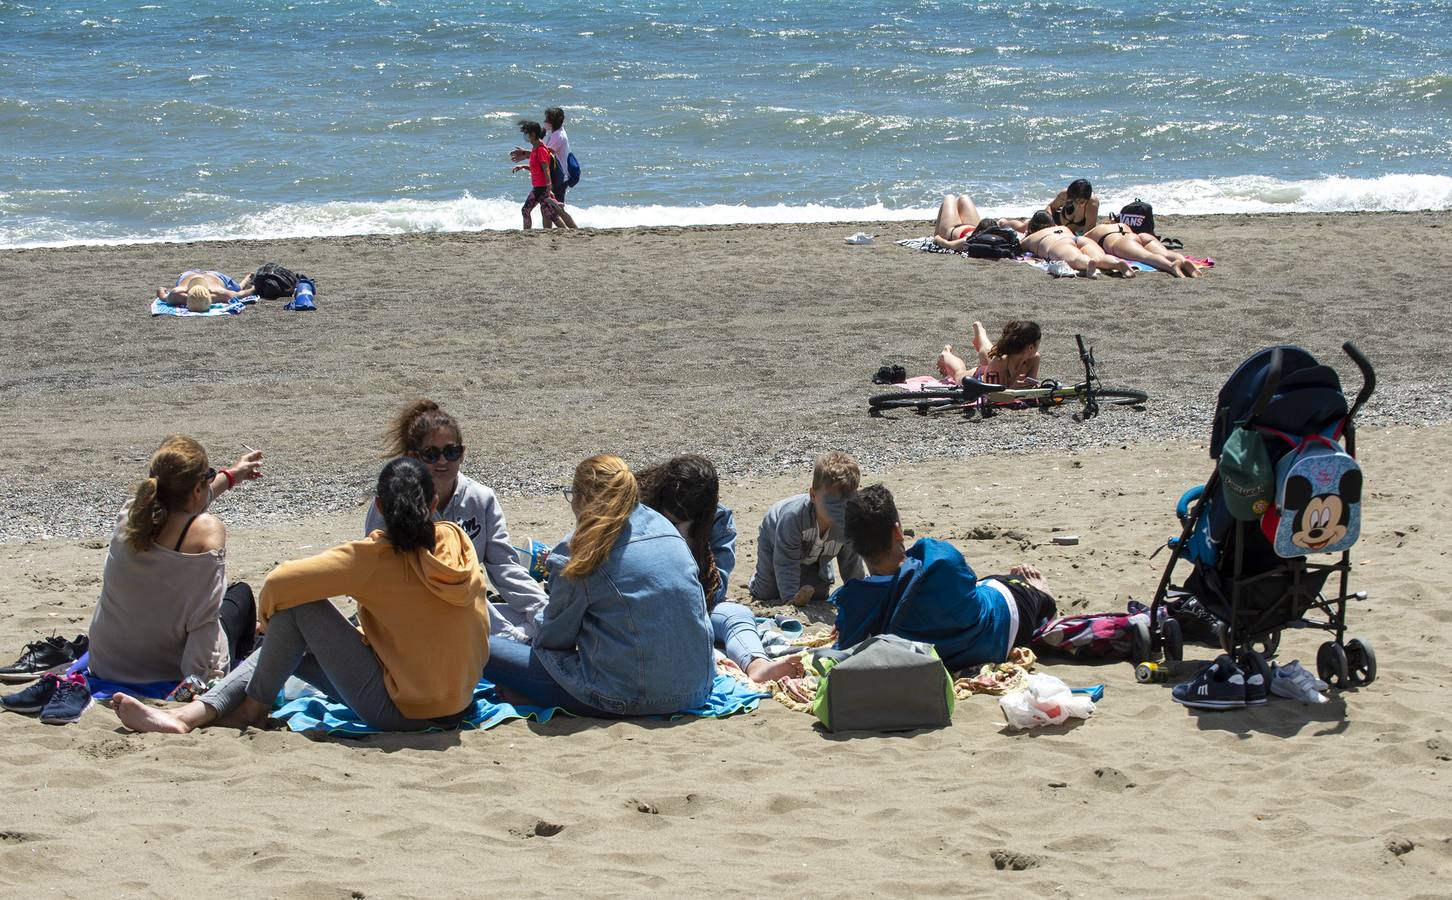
(539, 165)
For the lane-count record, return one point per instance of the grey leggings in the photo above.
(315, 643)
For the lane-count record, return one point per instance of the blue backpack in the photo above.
(572, 167)
(1318, 499)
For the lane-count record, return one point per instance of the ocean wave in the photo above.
(1241, 195)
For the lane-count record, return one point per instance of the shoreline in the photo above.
(1173, 218)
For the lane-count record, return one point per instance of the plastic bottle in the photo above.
(302, 298)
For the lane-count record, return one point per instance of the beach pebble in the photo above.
(1066, 540)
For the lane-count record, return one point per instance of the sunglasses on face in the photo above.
(210, 476)
(450, 452)
(569, 493)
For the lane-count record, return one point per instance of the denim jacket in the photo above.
(632, 637)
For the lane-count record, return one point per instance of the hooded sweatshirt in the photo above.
(422, 612)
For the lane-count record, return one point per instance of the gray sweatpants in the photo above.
(317, 644)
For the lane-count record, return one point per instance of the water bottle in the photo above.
(302, 298)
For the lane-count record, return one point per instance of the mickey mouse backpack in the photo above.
(1318, 499)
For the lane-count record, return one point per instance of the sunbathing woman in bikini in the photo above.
(959, 220)
(1075, 207)
(1121, 241)
(1012, 360)
(1056, 242)
(198, 290)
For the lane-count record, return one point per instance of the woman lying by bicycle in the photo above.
(1012, 360)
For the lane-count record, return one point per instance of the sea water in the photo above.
(144, 121)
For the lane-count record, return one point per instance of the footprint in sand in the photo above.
(1003, 858)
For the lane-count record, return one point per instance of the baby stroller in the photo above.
(1250, 548)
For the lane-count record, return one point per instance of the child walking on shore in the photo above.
(539, 177)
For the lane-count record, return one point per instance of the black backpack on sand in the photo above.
(993, 243)
(273, 281)
(1139, 216)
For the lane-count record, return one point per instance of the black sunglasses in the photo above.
(210, 476)
(450, 452)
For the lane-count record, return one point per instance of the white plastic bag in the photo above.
(1044, 700)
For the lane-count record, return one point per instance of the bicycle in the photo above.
(972, 396)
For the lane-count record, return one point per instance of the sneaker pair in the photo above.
(1293, 682)
(59, 700)
(39, 657)
(1221, 685)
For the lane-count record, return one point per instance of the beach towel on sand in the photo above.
(318, 715)
(233, 308)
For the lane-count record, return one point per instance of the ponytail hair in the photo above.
(177, 467)
(413, 423)
(406, 495)
(608, 495)
(686, 488)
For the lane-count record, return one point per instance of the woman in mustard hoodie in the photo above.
(425, 636)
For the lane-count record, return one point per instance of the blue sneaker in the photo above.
(34, 698)
(1220, 685)
(71, 698)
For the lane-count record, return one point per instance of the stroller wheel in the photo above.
(1331, 665)
(1255, 663)
(1268, 644)
(1361, 662)
(1173, 639)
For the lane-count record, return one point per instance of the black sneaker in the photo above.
(50, 655)
(34, 698)
(1220, 685)
(71, 698)
(1255, 690)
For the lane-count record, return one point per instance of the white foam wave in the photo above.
(1242, 195)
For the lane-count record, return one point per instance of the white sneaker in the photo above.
(860, 237)
(1295, 683)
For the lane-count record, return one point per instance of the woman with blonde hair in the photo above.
(433, 437)
(625, 632)
(424, 637)
(165, 612)
(197, 290)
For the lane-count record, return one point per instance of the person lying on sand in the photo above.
(1012, 361)
(1124, 243)
(1056, 242)
(198, 290)
(424, 638)
(930, 593)
(686, 490)
(959, 220)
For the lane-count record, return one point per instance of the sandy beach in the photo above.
(754, 345)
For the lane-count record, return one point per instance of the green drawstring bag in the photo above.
(885, 683)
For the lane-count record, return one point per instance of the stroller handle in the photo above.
(1268, 387)
(1368, 376)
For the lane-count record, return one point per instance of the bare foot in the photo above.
(1123, 269)
(161, 293)
(137, 716)
(1187, 269)
(1032, 576)
(950, 365)
(763, 670)
(981, 341)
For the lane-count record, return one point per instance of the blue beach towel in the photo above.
(318, 715)
(101, 689)
(236, 307)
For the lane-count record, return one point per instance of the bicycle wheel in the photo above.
(1121, 396)
(923, 400)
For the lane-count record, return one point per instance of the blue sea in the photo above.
(151, 121)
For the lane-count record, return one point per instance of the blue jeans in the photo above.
(516, 668)
(735, 629)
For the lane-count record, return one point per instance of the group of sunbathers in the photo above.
(618, 619)
(1066, 230)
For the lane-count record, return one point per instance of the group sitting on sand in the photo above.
(1067, 230)
(631, 619)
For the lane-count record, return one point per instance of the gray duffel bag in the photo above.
(885, 683)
